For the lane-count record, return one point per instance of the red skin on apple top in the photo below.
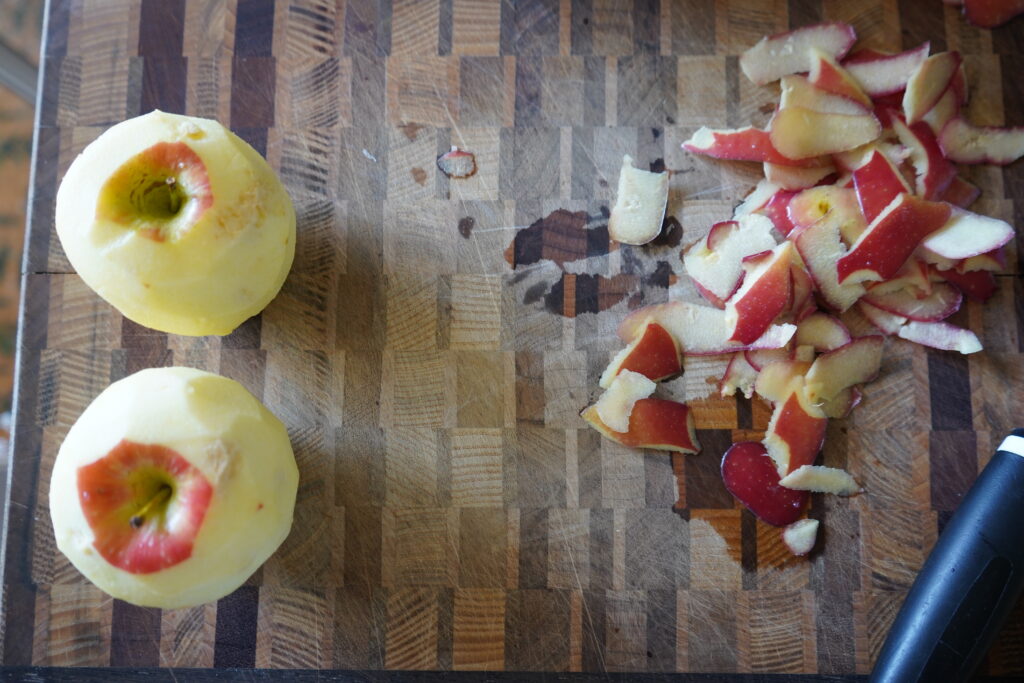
(751, 476)
(157, 535)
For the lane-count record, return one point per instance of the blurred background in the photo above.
(20, 30)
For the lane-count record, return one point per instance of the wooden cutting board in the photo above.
(436, 339)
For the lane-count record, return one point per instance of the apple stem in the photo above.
(174, 199)
(139, 517)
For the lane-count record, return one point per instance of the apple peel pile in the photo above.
(861, 217)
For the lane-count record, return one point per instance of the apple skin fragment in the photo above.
(800, 536)
(655, 424)
(886, 74)
(457, 163)
(750, 476)
(702, 330)
(715, 264)
(941, 335)
(791, 52)
(616, 404)
(653, 353)
(639, 209)
(818, 479)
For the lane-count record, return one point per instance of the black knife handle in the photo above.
(969, 584)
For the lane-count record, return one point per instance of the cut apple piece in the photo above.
(845, 181)
(822, 331)
(886, 113)
(941, 335)
(927, 84)
(994, 261)
(789, 53)
(701, 330)
(961, 193)
(795, 433)
(944, 111)
(933, 172)
(751, 476)
(810, 206)
(655, 424)
(716, 264)
(776, 381)
(739, 374)
(967, 234)
(884, 321)
(803, 293)
(777, 211)
(763, 296)
(765, 357)
(978, 285)
(818, 479)
(639, 209)
(880, 74)
(851, 364)
(797, 91)
(801, 133)
(991, 13)
(820, 248)
(940, 304)
(616, 404)
(826, 75)
(721, 232)
(653, 353)
(794, 177)
(853, 159)
(959, 85)
(891, 238)
(742, 144)
(804, 353)
(877, 183)
(865, 54)
(800, 536)
(840, 405)
(757, 199)
(913, 275)
(838, 203)
(968, 144)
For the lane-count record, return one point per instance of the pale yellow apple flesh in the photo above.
(797, 91)
(821, 480)
(640, 205)
(739, 374)
(778, 380)
(800, 133)
(853, 363)
(800, 536)
(178, 223)
(218, 432)
(821, 331)
(616, 403)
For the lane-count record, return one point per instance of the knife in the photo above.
(969, 584)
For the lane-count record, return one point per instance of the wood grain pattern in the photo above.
(436, 339)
